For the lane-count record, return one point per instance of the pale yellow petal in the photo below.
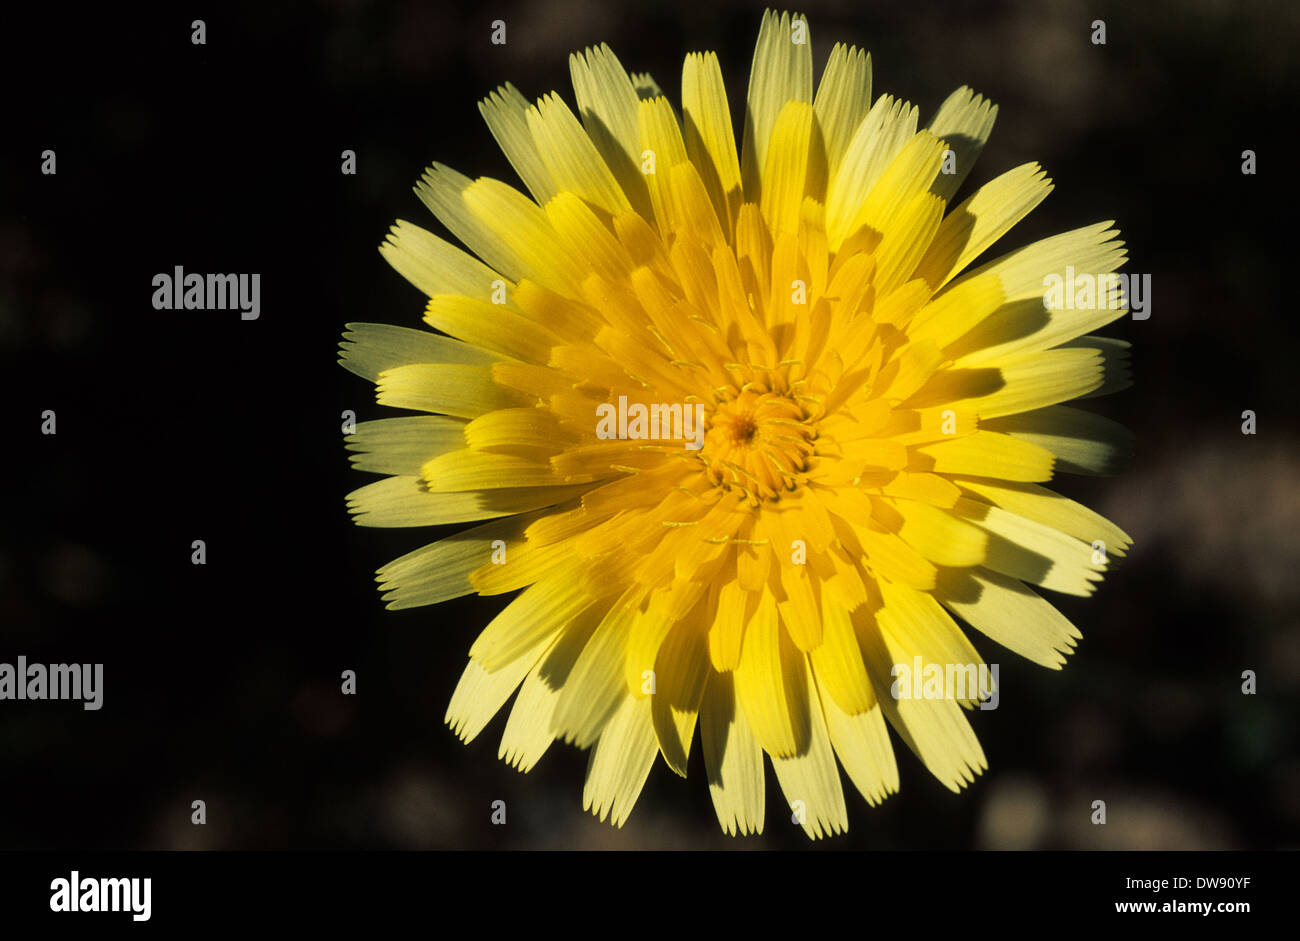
(1051, 509)
(620, 762)
(986, 454)
(506, 113)
(528, 732)
(557, 599)
(461, 391)
(861, 743)
(935, 729)
(1010, 613)
(571, 158)
(781, 72)
(964, 121)
(403, 501)
(441, 570)
(843, 100)
(368, 349)
(1083, 443)
(607, 103)
(982, 219)
(402, 445)
(438, 267)
(481, 693)
(886, 129)
(810, 780)
(595, 687)
(733, 759)
(1093, 249)
(1034, 552)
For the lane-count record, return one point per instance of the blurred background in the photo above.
(222, 681)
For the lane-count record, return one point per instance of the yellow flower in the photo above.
(874, 424)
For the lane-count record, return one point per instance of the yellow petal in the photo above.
(785, 173)
(524, 432)
(986, 454)
(1025, 382)
(661, 142)
(681, 669)
(710, 142)
(442, 190)
(837, 661)
(467, 469)
(938, 535)
(728, 628)
(771, 686)
(520, 226)
(490, 327)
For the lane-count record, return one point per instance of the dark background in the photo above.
(222, 681)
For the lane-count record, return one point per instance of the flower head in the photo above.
(745, 429)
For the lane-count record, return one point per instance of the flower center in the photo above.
(758, 444)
